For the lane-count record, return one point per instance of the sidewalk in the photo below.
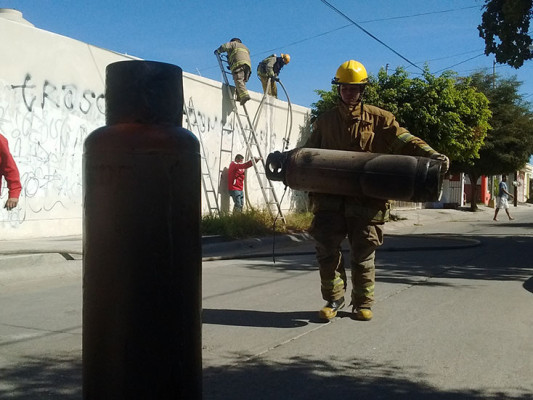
(36, 256)
(407, 222)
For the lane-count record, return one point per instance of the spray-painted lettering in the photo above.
(67, 96)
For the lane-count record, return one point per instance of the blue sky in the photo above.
(185, 33)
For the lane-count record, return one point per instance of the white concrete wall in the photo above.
(52, 96)
(213, 119)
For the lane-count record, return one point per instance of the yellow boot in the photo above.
(329, 311)
(363, 314)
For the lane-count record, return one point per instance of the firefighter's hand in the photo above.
(445, 162)
(11, 203)
(258, 159)
(275, 78)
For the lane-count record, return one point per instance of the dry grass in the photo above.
(253, 223)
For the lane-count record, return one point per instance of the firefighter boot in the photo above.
(362, 314)
(329, 311)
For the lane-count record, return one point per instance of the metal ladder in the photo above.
(252, 146)
(210, 193)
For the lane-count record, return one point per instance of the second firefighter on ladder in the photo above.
(270, 68)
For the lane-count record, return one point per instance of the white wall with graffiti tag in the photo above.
(52, 96)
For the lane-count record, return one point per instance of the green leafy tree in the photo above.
(451, 115)
(505, 29)
(327, 101)
(509, 143)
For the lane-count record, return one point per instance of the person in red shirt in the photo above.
(236, 180)
(9, 170)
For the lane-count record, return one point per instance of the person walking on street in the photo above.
(9, 170)
(269, 68)
(501, 200)
(240, 66)
(236, 172)
(354, 126)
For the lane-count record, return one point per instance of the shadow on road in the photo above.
(528, 285)
(57, 378)
(298, 379)
(408, 258)
(262, 319)
(303, 378)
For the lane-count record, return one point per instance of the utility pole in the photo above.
(493, 74)
(515, 191)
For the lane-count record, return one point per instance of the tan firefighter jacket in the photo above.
(367, 129)
(270, 66)
(238, 54)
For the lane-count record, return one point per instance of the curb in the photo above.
(24, 267)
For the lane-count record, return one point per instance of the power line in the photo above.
(481, 68)
(369, 34)
(452, 56)
(364, 22)
(302, 40)
(361, 22)
(459, 63)
(417, 15)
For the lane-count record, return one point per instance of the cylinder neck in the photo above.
(146, 92)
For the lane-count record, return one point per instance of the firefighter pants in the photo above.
(269, 89)
(240, 77)
(329, 229)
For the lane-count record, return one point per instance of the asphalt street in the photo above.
(453, 317)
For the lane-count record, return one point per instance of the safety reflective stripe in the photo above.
(333, 284)
(365, 291)
(242, 93)
(405, 138)
(235, 53)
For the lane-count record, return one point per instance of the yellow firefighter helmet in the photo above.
(286, 58)
(351, 73)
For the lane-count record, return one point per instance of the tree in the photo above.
(505, 29)
(451, 115)
(327, 101)
(509, 143)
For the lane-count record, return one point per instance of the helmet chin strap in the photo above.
(359, 102)
(352, 108)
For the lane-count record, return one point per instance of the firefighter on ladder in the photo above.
(354, 126)
(239, 64)
(270, 68)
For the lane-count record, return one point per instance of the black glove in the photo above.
(275, 78)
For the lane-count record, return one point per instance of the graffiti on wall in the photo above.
(46, 124)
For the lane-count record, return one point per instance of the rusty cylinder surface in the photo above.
(141, 242)
(348, 173)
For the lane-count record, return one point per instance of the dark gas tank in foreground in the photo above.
(348, 173)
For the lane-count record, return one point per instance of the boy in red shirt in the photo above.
(236, 180)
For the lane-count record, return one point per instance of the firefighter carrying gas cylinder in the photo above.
(270, 68)
(354, 126)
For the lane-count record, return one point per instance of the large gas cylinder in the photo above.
(142, 242)
(349, 173)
